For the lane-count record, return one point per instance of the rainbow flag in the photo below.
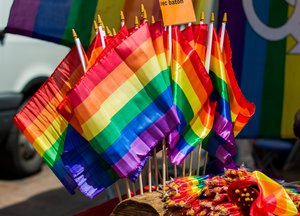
(122, 104)
(191, 89)
(41, 124)
(220, 142)
(265, 61)
(64, 150)
(241, 109)
(53, 20)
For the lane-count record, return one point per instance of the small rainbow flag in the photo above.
(220, 142)
(42, 125)
(122, 104)
(191, 89)
(241, 109)
(64, 150)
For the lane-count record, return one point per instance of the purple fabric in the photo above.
(152, 136)
(224, 129)
(23, 17)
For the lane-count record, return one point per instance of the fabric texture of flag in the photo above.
(122, 104)
(191, 90)
(241, 109)
(200, 36)
(64, 150)
(42, 125)
(89, 171)
(220, 142)
(272, 198)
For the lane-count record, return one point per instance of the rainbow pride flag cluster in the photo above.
(96, 126)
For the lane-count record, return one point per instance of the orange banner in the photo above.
(176, 12)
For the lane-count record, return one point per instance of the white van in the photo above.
(25, 63)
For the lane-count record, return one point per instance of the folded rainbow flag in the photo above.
(89, 171)
(191, 89)
(240, 108)
(42, 125)
(220, 142)
(64, 150)
(122, 104)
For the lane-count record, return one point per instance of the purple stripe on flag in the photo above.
(145, 142)
(22, 16)
(236, 20)
(223, 155)
(224, 129)
(176, 156)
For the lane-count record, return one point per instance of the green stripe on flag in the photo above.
(128, 112)
(53, 154)
(219, 85)
(82, 22)
(272, 103)
(181, 101)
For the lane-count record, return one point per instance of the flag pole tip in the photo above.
(225, 17)
(142, 8)
(114, 32)
(122, 16)
(152, 19)
(74, 33)
(99, 20)
(108, 32)
(145, 16)
(95, 26)
(212, 18)
(202, 16)
(136, 21)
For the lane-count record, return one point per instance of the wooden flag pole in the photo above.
(205, 163)
(223, 28)
(183, 167)
(79, 49)
(191, 163)
(155, 167)
(150, 174)
(101, 31)
(133, 188)
(117, 187)
(127, 188)
(199, 158)
(175, 171)
(141, 184)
